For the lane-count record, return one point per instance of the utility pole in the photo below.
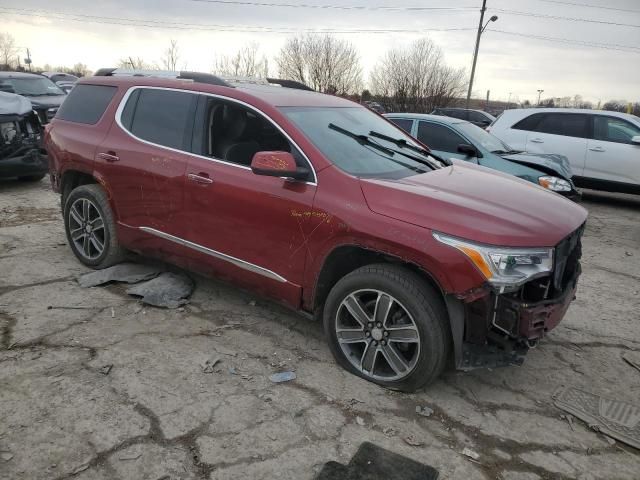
(539, 93)
(28, 59)
(475, 53)
(509, 101)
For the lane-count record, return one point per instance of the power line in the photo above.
(587, 5)
(207, 27)
(584, 43)
(332, 7)
(558, 17)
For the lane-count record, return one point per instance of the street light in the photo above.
(539, 93)
(475, 53)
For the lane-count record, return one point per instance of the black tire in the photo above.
(112, 252)
(418, 298)
(32, 178)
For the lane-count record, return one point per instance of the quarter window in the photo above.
(567, 124)
(610, 129)
(163, 117)
(86, 103)
(403, 123)
(439, 137)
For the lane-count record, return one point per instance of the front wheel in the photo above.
(387, 325)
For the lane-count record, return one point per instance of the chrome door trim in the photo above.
(130, 91)
(219, 255)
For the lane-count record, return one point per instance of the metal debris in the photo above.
(424, 411)
(613, 418)
(123, 272)
(282, 377)
(105, 369)
(168, 290)
(132, 457)
(467, 452)
(208, 365)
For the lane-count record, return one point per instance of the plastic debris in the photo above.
(282, 377)
(424, 411)
(360, 421)
(123, 272)
(168, 290)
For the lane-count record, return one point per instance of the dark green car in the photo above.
(452, 138)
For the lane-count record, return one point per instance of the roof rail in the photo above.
(290, 84)
(183, 75)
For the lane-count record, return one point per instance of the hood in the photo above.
(550, 163)
(46, 101)
(477, 204)
(12, 104)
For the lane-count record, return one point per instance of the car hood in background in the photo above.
(46, 101)
(475, 203)
(550, 163)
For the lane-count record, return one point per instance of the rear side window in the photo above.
(163, 117)
(403, 123)
(439, 137)
(567, 124)
(86, 103)
(610, 129)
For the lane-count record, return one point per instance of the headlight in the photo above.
(503, 266)
(555, 184)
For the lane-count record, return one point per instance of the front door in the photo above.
(443, 141)
(248, 228)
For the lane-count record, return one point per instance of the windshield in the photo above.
(33, 87)
(359, 158)
(479, 136)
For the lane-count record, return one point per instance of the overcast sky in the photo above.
(507, 63)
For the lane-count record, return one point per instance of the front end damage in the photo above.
(21, 152)
(496, 327)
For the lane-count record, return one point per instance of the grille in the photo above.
(568, 253)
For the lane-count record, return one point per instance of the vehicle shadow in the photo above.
(611, 199)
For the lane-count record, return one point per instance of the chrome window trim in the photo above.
(126, 96)
(219, 255)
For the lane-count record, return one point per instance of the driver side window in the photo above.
(439, 137)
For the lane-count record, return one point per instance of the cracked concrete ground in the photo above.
(156, 415)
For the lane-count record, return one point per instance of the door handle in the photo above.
(536, 140)
(201, 178)
(596, 149)
(109, 157)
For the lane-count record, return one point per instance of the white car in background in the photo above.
(603, 148)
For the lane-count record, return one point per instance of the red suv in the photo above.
(322, 205)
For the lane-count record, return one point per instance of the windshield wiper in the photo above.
(402, 143)
(367, 142)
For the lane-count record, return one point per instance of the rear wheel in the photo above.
(90, 227)
(387, 325)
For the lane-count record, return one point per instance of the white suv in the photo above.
(603, 148)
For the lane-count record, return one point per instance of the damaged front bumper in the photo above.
(492, 328)
(21, 152)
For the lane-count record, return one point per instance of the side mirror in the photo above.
(278, 164)
(468, 150)
(635, 140)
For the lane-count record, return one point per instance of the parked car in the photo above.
(477, 117)
(603, 147)
(45, 96)
(323, 205)
(21, 155)
(456, 139)
(65, 81)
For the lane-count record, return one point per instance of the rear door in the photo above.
(561, 133)
(443, 140)
(611, 156)
(144, 158)
(248, 228)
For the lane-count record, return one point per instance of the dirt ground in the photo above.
(94, 385)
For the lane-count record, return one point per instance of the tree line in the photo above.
(412, 78)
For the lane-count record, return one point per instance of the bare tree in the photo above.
(136, 63)
(246, 62)
(416, 78)
(325, 63)
(171, 56)
(8, 51)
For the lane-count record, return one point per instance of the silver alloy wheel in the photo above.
(86, 228)
(377, 334)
